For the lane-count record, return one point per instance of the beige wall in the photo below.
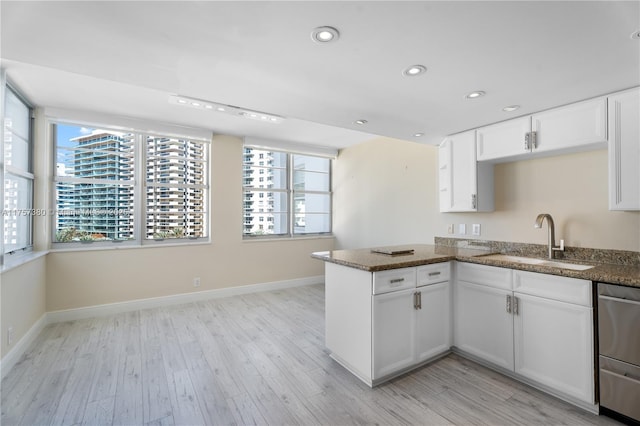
(22, 295)
(386, 193)
(87, 278)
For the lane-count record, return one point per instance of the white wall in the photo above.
(386, 192)
(22, 297)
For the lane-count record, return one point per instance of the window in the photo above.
(311, 194)
(176, 184)
(16, 170)
(114, 186)
(94, 185)
(298, 200)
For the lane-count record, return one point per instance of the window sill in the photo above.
(116, 246)
(13, 261)
(287, 238)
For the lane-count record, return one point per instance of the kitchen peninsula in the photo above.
(378, 322)
(388, 314)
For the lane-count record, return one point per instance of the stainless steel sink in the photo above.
(541, 262)
(563, 265)
(516, 259)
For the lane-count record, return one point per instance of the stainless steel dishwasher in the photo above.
(619, 348)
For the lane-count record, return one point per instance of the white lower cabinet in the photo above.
(553, 334)
(482, 326)
(412, 326)
(433, 321)
(394, 331)
(536, 325)
(384, 323)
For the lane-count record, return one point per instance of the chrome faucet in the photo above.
(552, 237)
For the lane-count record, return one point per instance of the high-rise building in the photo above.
(92, 204)
(95, 192)
(175, 203)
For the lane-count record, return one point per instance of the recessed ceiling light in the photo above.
(325, 34)
(636, 35)
(417, 135)
(182, 101)
(511, 108)
(414, 70)
(474, 95)
(361, 122)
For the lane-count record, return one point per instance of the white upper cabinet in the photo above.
(503, 140)
(570, 128)
(463, 185)
(581, 125)
(624, 150)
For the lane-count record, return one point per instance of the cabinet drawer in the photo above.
(393, 280)
(563, 289)
(435, 273)
(486, 275)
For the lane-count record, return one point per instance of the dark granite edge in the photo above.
(384, 267)
(577, 254)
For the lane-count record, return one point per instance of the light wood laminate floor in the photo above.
(252, 359)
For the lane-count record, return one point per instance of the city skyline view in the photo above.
(96, 190)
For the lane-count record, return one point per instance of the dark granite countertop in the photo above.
(424, 254)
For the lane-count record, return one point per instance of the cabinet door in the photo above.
(483, 326)
(463, 172)
(444, 175)
(394, 326)
(624, 151)
(569, 128)
(433, 321)
(503, 140)
(554, 345)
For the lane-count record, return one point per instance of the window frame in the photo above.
(290, 195)
(140, 187)
(7, 257)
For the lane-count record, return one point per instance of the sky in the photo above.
(65, 133)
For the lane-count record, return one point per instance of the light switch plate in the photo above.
(475, 229)
(462, 229)
(450, 228)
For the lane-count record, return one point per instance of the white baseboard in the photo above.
(176, 299)
(14, 355)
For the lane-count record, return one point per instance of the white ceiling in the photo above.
(126, 58)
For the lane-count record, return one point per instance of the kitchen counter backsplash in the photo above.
(580, 254)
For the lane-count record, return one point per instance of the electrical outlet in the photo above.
(196, 282)
(475, 229)
(450, 228)
(9, 335)
(462, 229)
